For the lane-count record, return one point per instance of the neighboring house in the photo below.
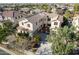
(37, 11)
(56, 22)
(17, 15)
(8, 15)
(33, 23)
(60, 11)
(12, 15)
(1, 18)
(36, 22)
(75, 22)
(53, 9)
(26, 10)
(71, 8)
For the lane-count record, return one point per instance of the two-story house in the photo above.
(36, 22)
(8, 15)
(55, 20)
(33, 23)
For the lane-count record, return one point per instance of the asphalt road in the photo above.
(3, 52)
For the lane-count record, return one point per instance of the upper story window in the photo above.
(15, 17)
(21, 16)
(28, 25)
(36, 23)
(41, 19)
(55, 23)
(22, 23)
(18, 16)
(48, 19)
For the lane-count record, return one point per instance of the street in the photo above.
(2, 52)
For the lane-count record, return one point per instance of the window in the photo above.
(15, 17)
(49, 24)
(22, 23)
(21, 16)
(18, 16)
(48, 19)
(36, 23)
(41, 19)
(55, 23)
(41, 25)
(28, 25)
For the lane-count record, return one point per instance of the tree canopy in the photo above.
(76, 7)
(62, 40)
(6, 30)
(67, 14)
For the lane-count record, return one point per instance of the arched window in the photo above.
(28, 25)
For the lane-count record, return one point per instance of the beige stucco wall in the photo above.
(54, 19)
(75, 22)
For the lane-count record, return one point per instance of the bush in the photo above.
(37, 38)
(23, 34)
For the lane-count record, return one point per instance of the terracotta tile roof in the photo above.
(8, 13)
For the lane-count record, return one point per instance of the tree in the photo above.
(8, 26)
(16, 8)
(44, 7)
(37, 38)
(6, 30)
(76, 7)
(62, 40)
(24, 35)
(67, 14)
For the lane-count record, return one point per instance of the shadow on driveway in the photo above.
(43, 37)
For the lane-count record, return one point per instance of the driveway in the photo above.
(44, 49)
(43, 37)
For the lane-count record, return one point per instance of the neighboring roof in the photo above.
(8, 8)
(60, 18)
(24, 9)
(52, 15)
(8, 13)
(37, 10)
(15, 13)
